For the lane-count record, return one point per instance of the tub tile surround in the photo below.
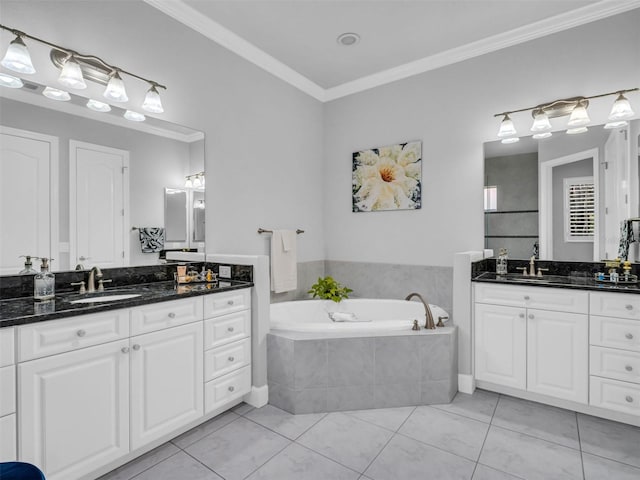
(337, 374)
(308, 274)
(439, 441)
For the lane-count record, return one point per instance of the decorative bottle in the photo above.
(501, 262)
(44, 283)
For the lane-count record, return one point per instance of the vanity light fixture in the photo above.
(76, 68)
(575, 108)
(10, 81)
(98, 106)
(55, 94)
(194, 181)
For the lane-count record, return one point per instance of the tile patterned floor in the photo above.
(484, 436)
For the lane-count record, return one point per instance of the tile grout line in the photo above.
(270, 458)
(328, 458)
(351, 414)
(208, 434)
(486, 435)
(154, 465)
(580, 446)
(435, 446)
(536, 438)
(204, 465)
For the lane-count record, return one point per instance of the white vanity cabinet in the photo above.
(533, 339)
(8, 451)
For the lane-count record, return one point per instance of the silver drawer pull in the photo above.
(136, 347)
(230, 302)
(81, 333)
(629, 398)
(231, 359)
(172, 315)
(527, 297)
(125, 349)
(628, 336)
(232, 388)
(521, 315)
(629, 307)
(230, 329)
(628, 368)
(531, 316)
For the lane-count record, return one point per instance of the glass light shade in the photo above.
(506, 128)
(575, 131)
(188, 183)
(115, 89)
(71, 75)
(510, 140)
(541, 123)
(134, 116)
(98, 106)
(196, 182)
(55, 94)
(17, 57)
(617, 124)
(152, 101)
(621, 109)
(579, 116)
(539, 136)
(10, 81)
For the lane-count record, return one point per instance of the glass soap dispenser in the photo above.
(28, 266)
(501, 262)
(44, 283)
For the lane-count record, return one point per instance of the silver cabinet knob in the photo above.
(628, 368)
(230, 302)
(231, 359)
(531, 316)
(527, 297)
(230, 329)
(628, 336)
(81, 333)
(629, 307)
(124, 349)
(521, 315)
(232, 388)
(136, 347)
(172, 315)
(629, 398)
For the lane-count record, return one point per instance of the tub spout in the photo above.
(427, 311)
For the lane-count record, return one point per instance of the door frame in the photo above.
(73, 162)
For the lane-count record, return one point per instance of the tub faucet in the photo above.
(93, 274)
(427, 311)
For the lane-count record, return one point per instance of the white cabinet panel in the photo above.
(158, 316)
(544, 298)
(8, 451)
(500, 345)
(48, 338)
(227, 302)
(558, 354)
(225, 389)
(615, 332)
(7, 356)
(74, 410)
(166, 381)
(615, 395)
(7, 390)
(621, 305)
(226, 329)
(613, 363)
(222, 360)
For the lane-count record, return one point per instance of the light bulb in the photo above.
(510, 140)
(188, 183)
(17, 57)
(71, 75)
(579, 116)
(196, 182)
(575, 131)
(98, 106)
(506, 128)
(541, 123)
(134, 116)
(539, 136)
(115, 89)
(55, 94)
(152, 101)
(617, 124)
(621, 109)
(10, 81)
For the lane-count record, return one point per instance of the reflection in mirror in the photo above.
(175, 216)
(561, 198)
(198, 216)
(58, 169)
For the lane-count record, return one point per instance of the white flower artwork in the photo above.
(388, 178)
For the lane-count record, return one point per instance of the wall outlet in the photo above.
(224, 271)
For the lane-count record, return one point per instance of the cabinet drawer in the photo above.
(543, 298)
(619, 305)
(615, 395)
(615, 332)
(226, 389)
(56, 336)
(226, 329)
(158, 316)
(8, 439)
(7, 390)
(6, 346)
(618, 364)
(223, 360)
(226, 302)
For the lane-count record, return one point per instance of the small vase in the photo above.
(331, 307)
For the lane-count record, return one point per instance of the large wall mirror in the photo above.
(77, 185)
(564, 197)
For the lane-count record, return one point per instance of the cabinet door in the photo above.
(166, 381)
(74, 410)
(500, 334)
(558, 354)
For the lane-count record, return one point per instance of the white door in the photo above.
(98, 199)
(166, 381)
(501, 342)
(616, 192)
(28, 197)
(558, 354)
(74, 410)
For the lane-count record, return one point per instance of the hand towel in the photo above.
(284, 261)
(626, 238)
(151, 239)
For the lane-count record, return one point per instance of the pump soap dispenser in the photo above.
(44, 283)
(28, 266)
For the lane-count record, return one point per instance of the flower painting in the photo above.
(388, 178)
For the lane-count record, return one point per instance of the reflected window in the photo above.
(490, 199)
(579, 211)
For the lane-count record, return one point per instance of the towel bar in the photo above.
(262, 230)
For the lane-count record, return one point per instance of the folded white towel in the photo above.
(346, 317)
(284, 261)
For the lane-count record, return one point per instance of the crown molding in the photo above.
(229, 40)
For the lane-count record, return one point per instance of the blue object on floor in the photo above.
(20, 471)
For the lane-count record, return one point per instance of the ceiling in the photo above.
(296, 40)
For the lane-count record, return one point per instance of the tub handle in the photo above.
(440, 320)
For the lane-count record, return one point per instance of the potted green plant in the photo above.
(331, 291)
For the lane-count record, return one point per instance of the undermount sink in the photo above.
(106, 298)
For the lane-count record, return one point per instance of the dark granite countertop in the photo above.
(21, 311)
(556, 281)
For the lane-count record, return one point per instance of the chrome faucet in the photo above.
(93, 274)
(427, 311)
(532, 266)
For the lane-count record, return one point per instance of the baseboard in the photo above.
(258, 396)
(466, 383)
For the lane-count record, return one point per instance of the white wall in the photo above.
(451, 110)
